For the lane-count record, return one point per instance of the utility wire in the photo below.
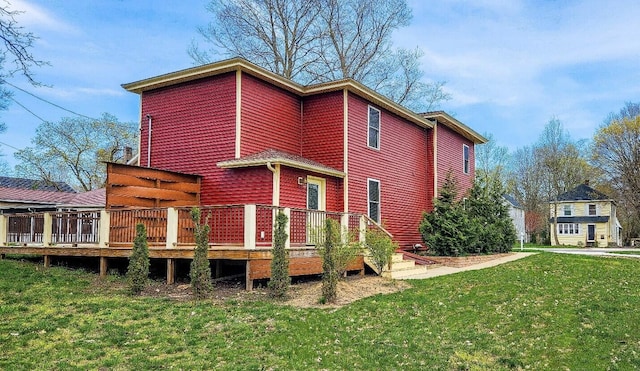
(26, 109)
(46, 101)
(10, 146)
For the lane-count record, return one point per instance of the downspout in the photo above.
(275, 196)
(149, 142)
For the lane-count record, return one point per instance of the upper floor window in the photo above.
(373, 199)
(567, 210)
(374, 128)
(592, 209)
(465, 158)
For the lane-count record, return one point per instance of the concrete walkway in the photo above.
(441, 271)
(594, 251)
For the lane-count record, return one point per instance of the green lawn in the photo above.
(545, 312)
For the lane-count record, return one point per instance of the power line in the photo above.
(46, 101)
(28, 110)
(10, 146)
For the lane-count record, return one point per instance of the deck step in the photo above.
(401, 268)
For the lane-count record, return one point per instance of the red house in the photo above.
(257, 138)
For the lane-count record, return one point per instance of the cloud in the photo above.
(35, 17)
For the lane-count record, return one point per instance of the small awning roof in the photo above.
(273, 157)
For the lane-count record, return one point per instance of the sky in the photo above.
(509, 66)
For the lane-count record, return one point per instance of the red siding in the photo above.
(294, 195)
(401, 166)
(323, 138)
(271, 118)
(193, 127)
(450, 158)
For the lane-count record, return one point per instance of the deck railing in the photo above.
(243, 226)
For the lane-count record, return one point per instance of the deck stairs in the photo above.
(399, 267)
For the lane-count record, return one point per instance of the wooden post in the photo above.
(218, 263)
(172, 228)
(46, 230)
(103, 237)
(344, 226)
(250, 226)
(4, 229)
(47, 261)
(363, 229)
(287, 227)
(248, 280)
(104, 266)
(171, 271)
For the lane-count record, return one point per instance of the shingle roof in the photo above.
(512, 201)
(278, 157)
(582, 193)
(36, 185)
(36, 192)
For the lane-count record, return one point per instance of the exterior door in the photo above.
(591, 233)
(315, 209)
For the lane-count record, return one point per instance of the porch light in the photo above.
(302, 180)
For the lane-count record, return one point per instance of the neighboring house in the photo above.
(585, 217)
(516, 212)
(257, 138)
(27, 195)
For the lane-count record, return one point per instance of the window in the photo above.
(374, 128)
(465, 158)
(568, 228)
(592, 209)
(567, 210)
(373, 198)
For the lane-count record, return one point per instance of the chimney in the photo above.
(128, 154)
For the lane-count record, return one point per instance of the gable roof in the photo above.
(272, 156)
(582, 193)
(244, 66)
(35, 185)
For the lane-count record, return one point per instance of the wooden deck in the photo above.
(238, 233)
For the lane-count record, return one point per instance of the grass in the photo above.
(548, 311)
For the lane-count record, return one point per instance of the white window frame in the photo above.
(595, 210)
(566, 208)
(369, 201)
(466, 162)
(569, 228)
(369, 127)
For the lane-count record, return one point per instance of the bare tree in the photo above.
(17, 44)
(616, 152)
(74, 149)
(562, 163)
(323, 40)
(492, 160)
(279, 35)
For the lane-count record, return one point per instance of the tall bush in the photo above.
(200, 272)
(138, 269)
(337, 251)
(280, 280)
(444, 230)
(380, 248)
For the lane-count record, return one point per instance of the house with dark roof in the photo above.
(584, 216)
(29, 195)
(516, 212)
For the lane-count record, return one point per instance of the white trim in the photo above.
(275, 198)
(435, 158)
(238, 112)
(369, 180)
(345, 164)
(595, 233)
(468, 163)
(369, 108)
(322, 191)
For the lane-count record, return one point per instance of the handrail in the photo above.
(371, 221)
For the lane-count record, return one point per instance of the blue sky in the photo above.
(510, 66)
